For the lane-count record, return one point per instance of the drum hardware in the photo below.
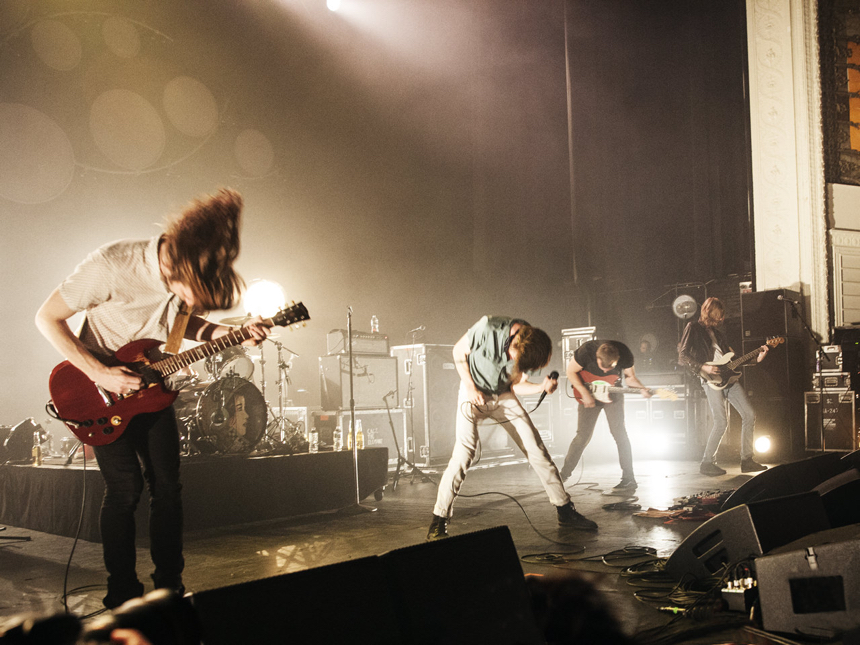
(233, 361)
(283, 435)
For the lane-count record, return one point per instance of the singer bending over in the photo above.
(602, 361)
(131, 290)
(493, 360)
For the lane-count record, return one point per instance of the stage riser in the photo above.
(216, 491)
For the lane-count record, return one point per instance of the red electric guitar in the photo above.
(98, 417)
(602, 386)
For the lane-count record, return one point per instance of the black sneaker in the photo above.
(751, 466)
(626, 483)
(567, 516)
(711, 469)
(438, 528)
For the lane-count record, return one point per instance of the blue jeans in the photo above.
(717, 399)
(147, 451)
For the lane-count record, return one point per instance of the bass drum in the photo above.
(230, 417)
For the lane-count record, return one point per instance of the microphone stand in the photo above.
(401, 460)
(357, 507)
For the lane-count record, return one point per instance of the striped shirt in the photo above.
(121, 289)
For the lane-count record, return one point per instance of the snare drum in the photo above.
(230, 416)
(231, 362)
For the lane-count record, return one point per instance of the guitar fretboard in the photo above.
(176, 362)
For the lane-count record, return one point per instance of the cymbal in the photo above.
(235, 320)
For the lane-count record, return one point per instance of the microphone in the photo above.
(391, 393)
(554, 376)
(784, 299)
(419, 328)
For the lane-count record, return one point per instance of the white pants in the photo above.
(507, 411)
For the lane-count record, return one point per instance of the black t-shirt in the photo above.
(586, 356)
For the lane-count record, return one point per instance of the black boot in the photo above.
(119, 593)
(567, 516)
(438, 528)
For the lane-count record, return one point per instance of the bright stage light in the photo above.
(762, 444)
(263, 298)
(333, 5)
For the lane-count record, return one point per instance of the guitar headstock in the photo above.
(668, 394)
(776, 340)
(290, 316)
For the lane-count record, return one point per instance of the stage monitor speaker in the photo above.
(812, 586)
(373, 376)
(462, 590)
(840, 431)
(841, 498)
(787, 479)
(745, 531)
(348, 602)
(428, 383)
(764, 315)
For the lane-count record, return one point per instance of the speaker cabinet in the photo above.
(841, 498)
(747, 530)
(812, 586)
(462, 590)
(428, 383)
(373, 376)
(763, 314)
(787, 479)
(458, 591)
(324, 605)
(781, 375)
(837, 415)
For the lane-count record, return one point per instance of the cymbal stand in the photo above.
(401, 460)
(285, 426)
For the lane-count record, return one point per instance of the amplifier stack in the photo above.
(830, 408)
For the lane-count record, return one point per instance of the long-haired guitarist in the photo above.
(703, 344)
(602, 361)
(131, 290)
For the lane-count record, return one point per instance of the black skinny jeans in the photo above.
(147, 451)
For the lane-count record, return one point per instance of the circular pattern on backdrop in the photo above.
(36, 158)
(254, 152)
(121, 37)
(190, 106)
(56, 44)
(127, 129)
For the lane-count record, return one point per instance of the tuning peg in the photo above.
(304, 324)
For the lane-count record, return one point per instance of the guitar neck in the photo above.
(171, 364)
(743, 359)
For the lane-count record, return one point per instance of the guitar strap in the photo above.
(177, 333)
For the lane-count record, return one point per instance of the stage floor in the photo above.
(32, 571)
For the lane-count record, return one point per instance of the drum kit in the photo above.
(224, 412)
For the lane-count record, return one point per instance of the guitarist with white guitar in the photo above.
(597, 365)
(705, 351)
(132, 290)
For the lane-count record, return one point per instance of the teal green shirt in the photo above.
(489, 364)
